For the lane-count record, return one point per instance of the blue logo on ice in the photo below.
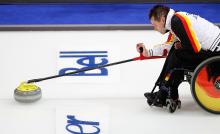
(87, 59)
(73, 123)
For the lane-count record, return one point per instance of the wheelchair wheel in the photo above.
(205, 85)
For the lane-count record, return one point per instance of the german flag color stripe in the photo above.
(170, 38)
(190, 33)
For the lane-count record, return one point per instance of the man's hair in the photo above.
(158, 11)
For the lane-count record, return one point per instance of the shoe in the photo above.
(156, 98)
(160, 99)
(150, 97)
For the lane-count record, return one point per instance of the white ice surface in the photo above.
(127, 116)
(129, 112)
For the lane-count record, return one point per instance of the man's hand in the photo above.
(145, 51)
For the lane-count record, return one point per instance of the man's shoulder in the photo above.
(178, 16)
(175, 19)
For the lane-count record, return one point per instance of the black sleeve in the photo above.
(178, 28)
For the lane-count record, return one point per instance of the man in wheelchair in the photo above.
(191, 40)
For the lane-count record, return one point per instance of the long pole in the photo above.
(141, 57)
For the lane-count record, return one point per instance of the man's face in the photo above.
(159, 25)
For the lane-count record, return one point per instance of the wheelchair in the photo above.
(204, 84)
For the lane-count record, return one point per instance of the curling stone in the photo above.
(27, 92)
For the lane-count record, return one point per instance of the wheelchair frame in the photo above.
(190, 76)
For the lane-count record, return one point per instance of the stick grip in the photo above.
(141, 49)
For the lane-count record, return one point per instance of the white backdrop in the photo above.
(28, 55)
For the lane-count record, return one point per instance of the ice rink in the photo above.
(115, 101)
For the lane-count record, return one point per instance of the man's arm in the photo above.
(159, 49)
(181, 26)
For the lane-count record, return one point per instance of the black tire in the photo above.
(178, 104)
(171, 105)
(172, 108)
(200, 92)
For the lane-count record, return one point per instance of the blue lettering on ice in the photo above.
(91, 57)
(72, 121)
